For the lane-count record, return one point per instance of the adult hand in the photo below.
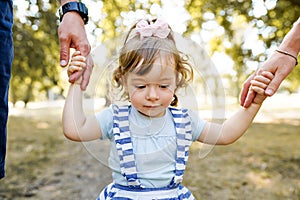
(278, 64)
(71, 33)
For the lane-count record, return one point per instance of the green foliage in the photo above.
(35, 67)
(293, 80)
(272, 27)
(112, 21)
(233, 16)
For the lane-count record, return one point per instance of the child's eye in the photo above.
(140, 86)
(164, 86)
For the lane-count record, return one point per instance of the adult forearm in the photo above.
(62, 2)
(291, 42)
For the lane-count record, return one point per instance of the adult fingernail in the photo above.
(269, 92)
(63, 63)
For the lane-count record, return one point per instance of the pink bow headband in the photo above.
(159, 29)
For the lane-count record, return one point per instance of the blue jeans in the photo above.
(6, 57)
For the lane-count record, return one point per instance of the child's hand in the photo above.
(77, 65)
(259, 83)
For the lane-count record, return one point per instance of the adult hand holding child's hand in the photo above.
(77, 65)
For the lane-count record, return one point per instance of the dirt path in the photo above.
(77, 175)
(43, 165)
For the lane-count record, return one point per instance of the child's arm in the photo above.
(76, 125)
(235, 126)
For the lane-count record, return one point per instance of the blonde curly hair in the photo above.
(138, 55)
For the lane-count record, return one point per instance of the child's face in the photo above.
(153, 92)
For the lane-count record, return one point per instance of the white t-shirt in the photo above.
(154, 145)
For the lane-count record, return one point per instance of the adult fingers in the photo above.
(64, 50)
(275, 83)
(72, 34)
(65, 41)
(84, 47)
(87, 72)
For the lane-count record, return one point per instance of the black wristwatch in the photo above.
(78, 7)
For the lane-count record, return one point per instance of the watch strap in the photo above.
(78, 7)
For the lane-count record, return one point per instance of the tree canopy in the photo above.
(36, 67)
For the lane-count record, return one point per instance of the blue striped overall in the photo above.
(135, 190)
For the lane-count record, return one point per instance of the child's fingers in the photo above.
(268, 75)
(78, 58)
(76, 53)
(259, 83)
(264, 75)
(258, 89)
(72, 69)
(263, 79)
(78, 63)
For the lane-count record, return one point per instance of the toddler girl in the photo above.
(150, 137)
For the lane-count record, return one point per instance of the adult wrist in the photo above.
(62, 2)
(288, 54)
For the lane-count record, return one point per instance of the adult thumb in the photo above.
(64, 54)
(274, 85)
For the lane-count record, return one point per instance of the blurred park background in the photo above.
(237, 35)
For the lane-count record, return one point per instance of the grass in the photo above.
(33, 145)
(263, 164)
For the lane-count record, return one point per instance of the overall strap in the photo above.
(184, 140)
(124, 145)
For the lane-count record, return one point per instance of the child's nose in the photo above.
(152, 93)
